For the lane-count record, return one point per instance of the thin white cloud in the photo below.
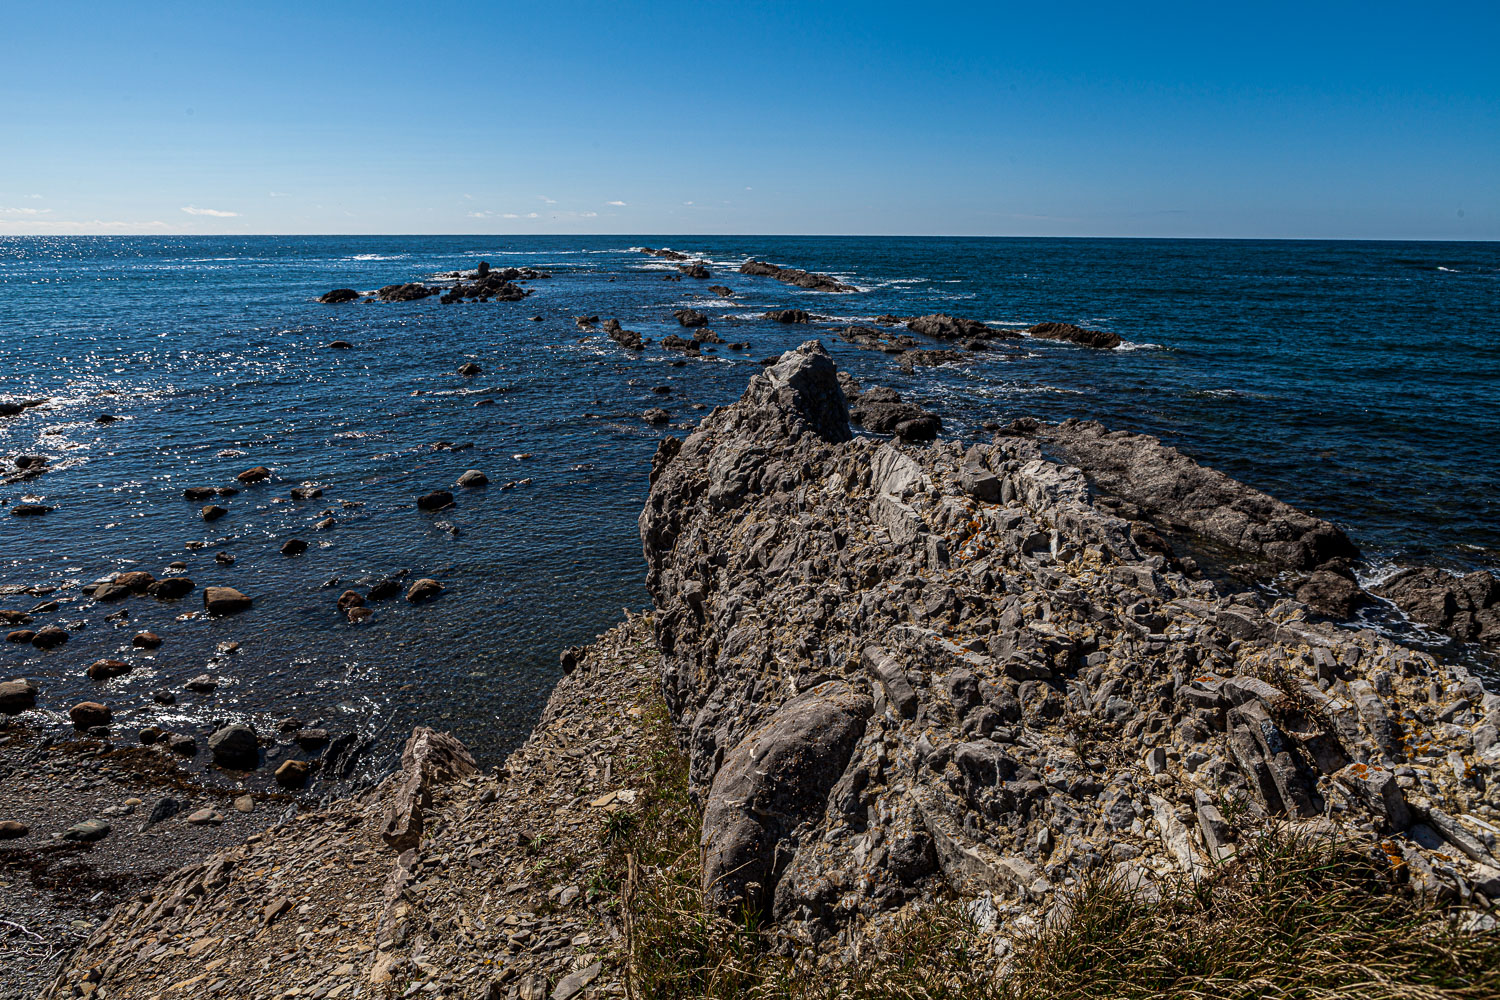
(589, 215)
(480, 215)
(687, 203)
(277, 194)
(24, 211)
(617, 204)
(35, 225)
(216, 213)
(545, 199)
(532, 215)
(510, 215)
(34, 197)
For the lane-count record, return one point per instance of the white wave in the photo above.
(377, 256)
(1450, 270)
(1128, 345)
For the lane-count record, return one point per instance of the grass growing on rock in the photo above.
(1287, 917)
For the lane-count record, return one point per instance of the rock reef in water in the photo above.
(796, 276)
(1101, 339)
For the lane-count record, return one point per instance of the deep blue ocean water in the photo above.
(1359, 381)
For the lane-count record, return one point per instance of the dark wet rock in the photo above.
(31, 509)
(789, 316)
(293, 773)
(340, 345)
(146, 640)
(213, 512)
(88, 714)
(103, 670)
(15, 618)
(11, 407)
(493, 285)
(473, 478)
(20, 635)
(409, 292)
(696, 269)
(31, 462)
(293, 547)
(882, 411)
(1075, 335)
(796, 276)
(105, 418)
(306, 492)
(172, 588)
(202, 684)
(384, 589)
(350, 599)
(1466, 607)
(469, 369)
(18, 695)
(224, 601)
(255, 475)
(664, 254)
(1334, 594)
(224, 558)
(941, 326)
(339, 295)
(310, 739)
(425, 589)
(208, 492)
(436, 500)
(656, 415)
(722, 291)
(690, 317)
(49, 638)
(235, 746)
(672, 342)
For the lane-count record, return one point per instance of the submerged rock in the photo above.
(339, 295)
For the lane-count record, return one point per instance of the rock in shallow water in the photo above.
(224, 601)
(235, 746)
(18, 695)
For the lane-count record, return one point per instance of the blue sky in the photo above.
(1358, 120)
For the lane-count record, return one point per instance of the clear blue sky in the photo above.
(1339, 120)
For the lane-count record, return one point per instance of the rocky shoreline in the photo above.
(900, 672)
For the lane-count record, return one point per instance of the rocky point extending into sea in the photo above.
(901, 671)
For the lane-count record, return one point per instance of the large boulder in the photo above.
(88, 714)
(429, 759)
(1466, 607)
(339, 295)
(409, 292)
(777, 778)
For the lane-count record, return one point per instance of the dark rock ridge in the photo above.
(905, 671)
(796, 276)
(941, 326)
(1075, 335)
(1194, 499)
(664, 254)
(339, 295)
(881, 410)
(1466, 607)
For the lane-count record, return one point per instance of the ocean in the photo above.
(1359, 381)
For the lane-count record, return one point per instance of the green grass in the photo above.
(1285, 918)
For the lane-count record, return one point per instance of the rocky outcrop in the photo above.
(1191, 499)
(1466, 607)
(339, 295)
(789, 316)
(901, 672)
(941, 326)
(409, 292)
(881, 410)
(430, 759)
(1102, 339)
(796, 276)
(664, 253)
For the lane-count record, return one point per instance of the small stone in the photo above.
(244, 804)
(202, 684)
(224, 559)
(103, 670)
(436, 500)
(473, 478)
(10, 829)
(255, 475)
(293, 547)
(146, 640)
(212, 512)
(469, 369)
(293, 773)
(224, 600)
(205, 817)
(49, 638)
(88, 831)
